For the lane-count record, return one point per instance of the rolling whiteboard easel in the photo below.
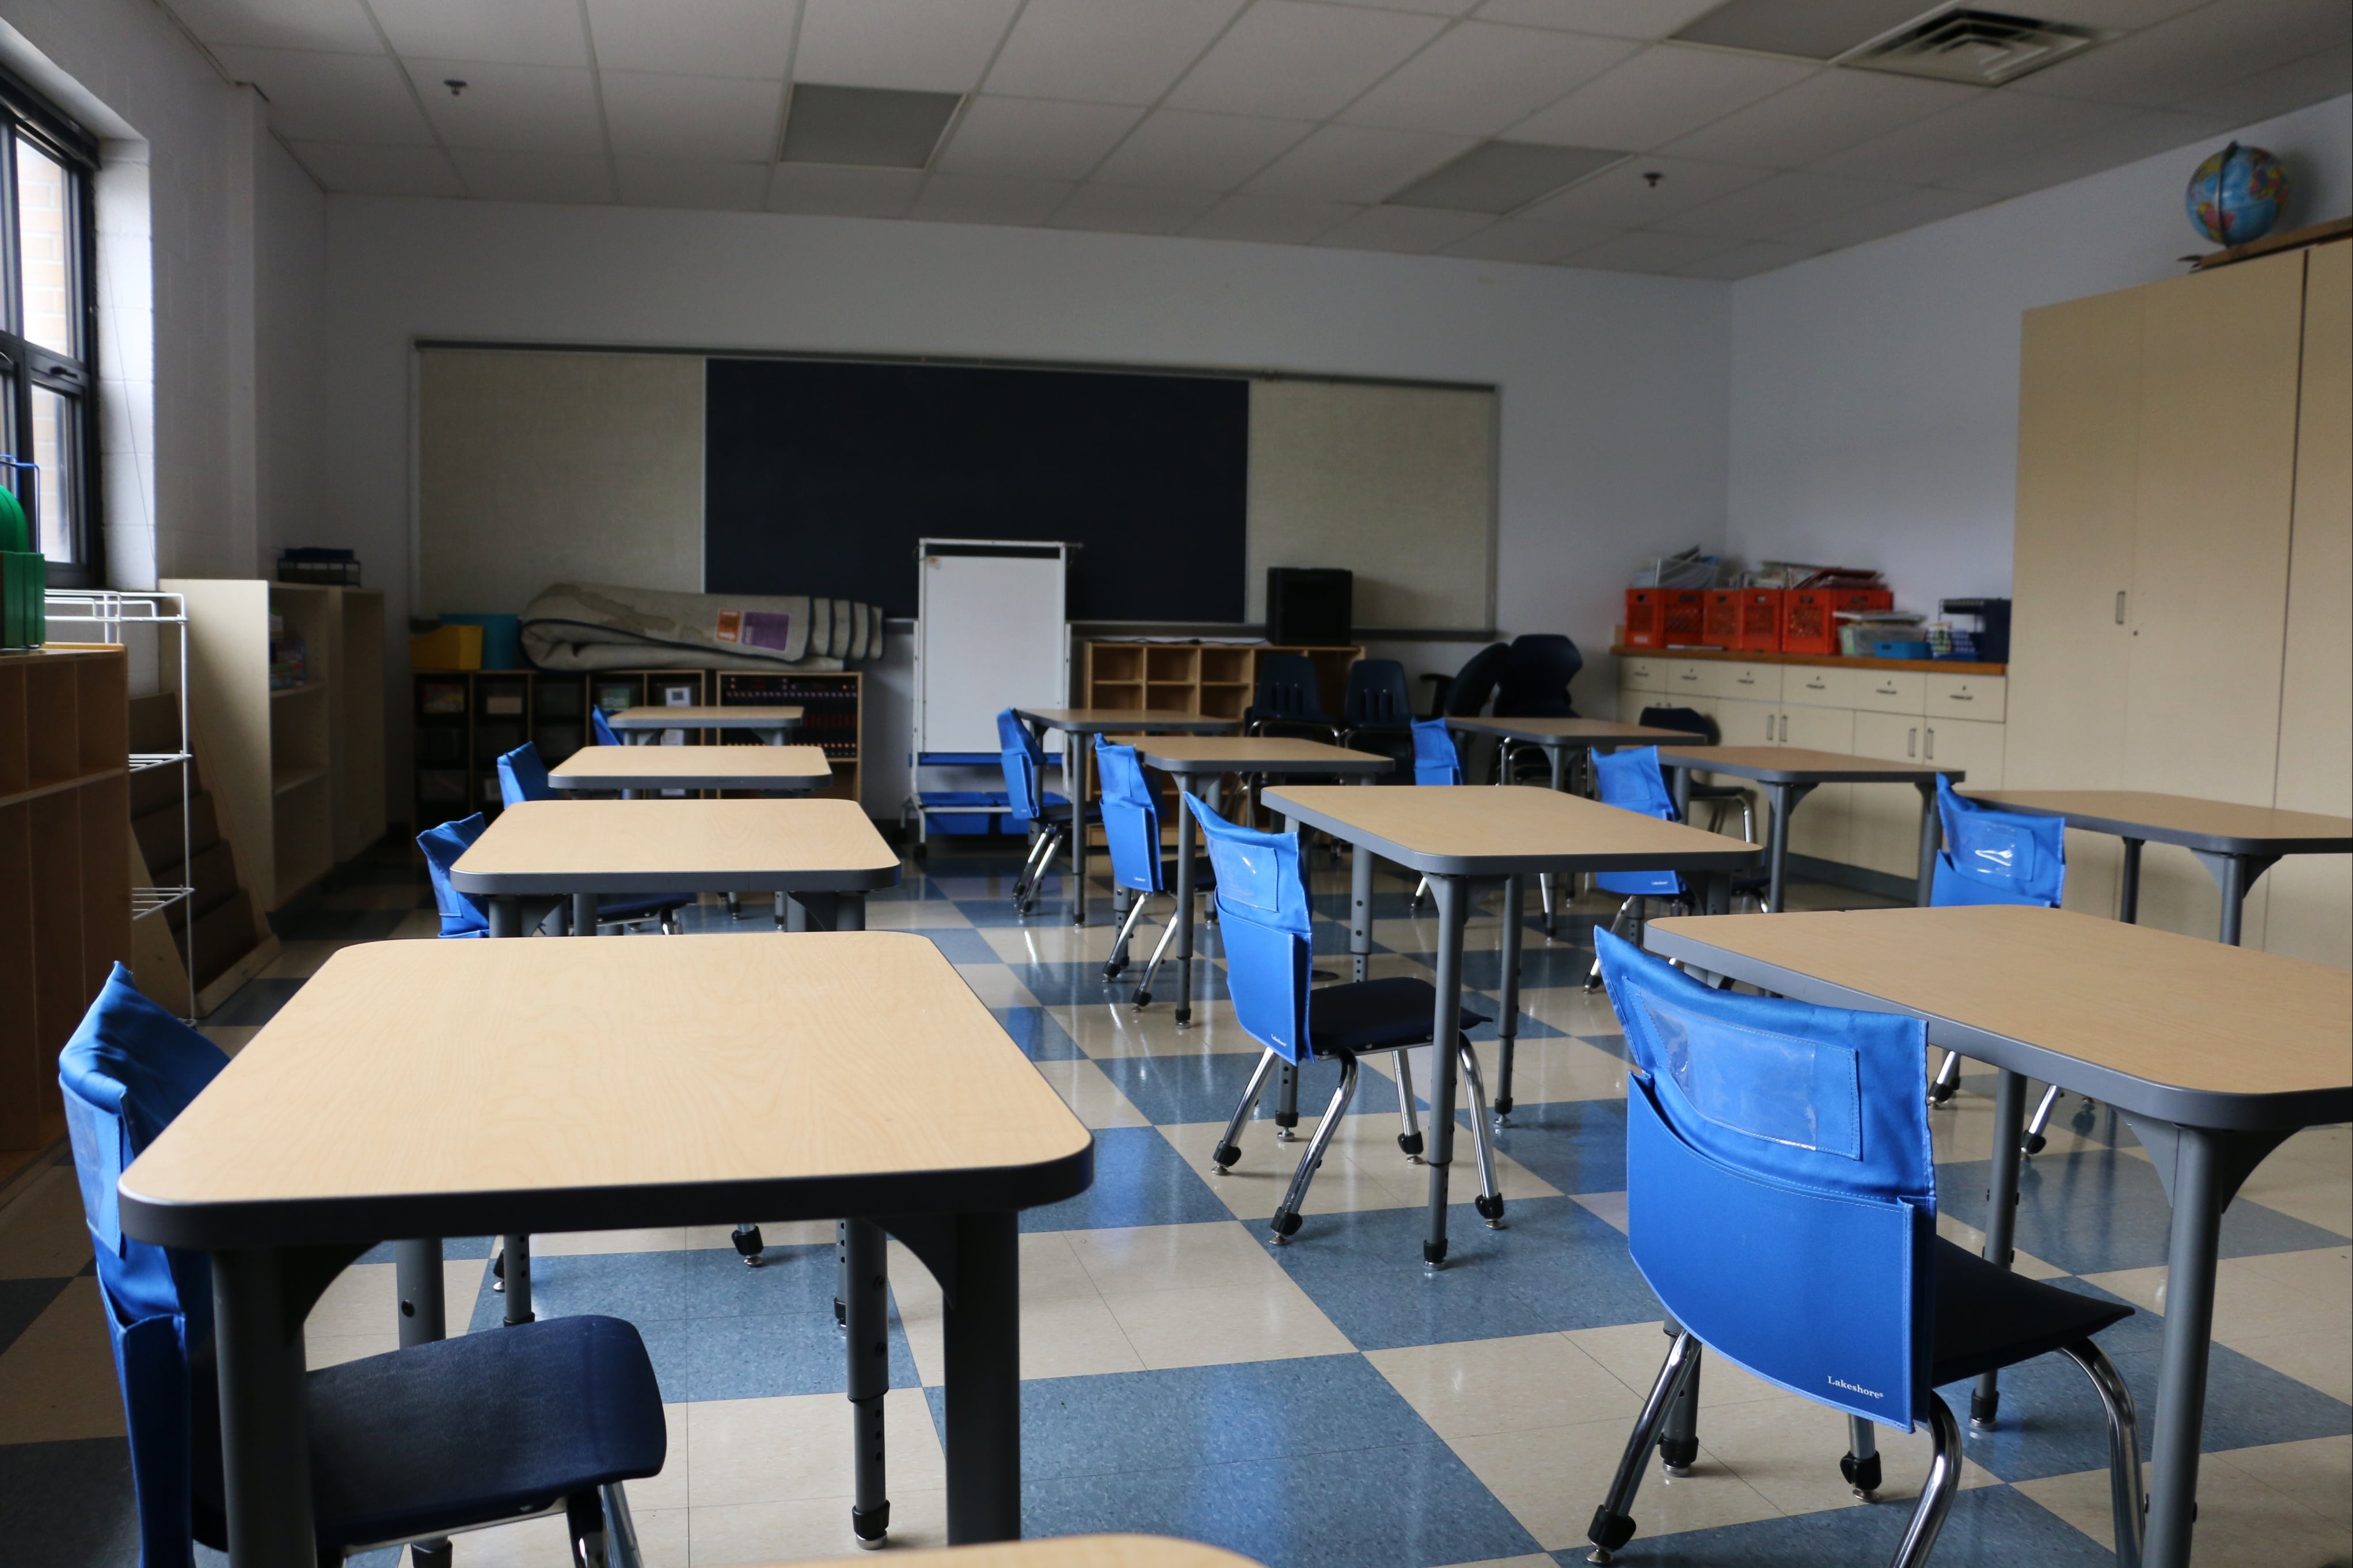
(990, 634)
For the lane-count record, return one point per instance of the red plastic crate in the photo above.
(1747, 620)
(1660, 617)
(1809, 616)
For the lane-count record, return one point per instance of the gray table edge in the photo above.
(1513, 865)
(1924, 773)
(2212, 843)
(741, 879)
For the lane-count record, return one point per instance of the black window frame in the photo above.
(28, 366)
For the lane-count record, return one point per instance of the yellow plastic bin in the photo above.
(447, 647)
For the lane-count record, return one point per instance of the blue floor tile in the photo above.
(1139, 1180)
(1205, 1087)
(1041, 1038)
(69, 1504)
(22, 1300)
(309, 922)
(1541, 967)
(2093, 1212)
(962, 946)
(1083, 985)
(1553, 1266)
(1989, 1526)
(1577, 1145)
(1531, 1027)
(255, 1003)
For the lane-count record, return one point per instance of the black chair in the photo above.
(1462, 694)
(1287, 701)
(1533, 681)
(1377, 715)
(1692, 722)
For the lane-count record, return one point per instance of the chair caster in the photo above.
(870, 1531)
(1490, 1209)
(1608, 1531)
(1113, 969)
(1286, 1225)
(1227, 1154)
(1938, 1093)
(2034, 1145)
(1983, 1410)
(748, 1244)
(1592, 986)
(1863, 1475)
(1410, 1142)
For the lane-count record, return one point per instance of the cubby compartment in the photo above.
(52, 737)
(1163, 664)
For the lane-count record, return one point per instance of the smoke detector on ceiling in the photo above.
(1982, 49)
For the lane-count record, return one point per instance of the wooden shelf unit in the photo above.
(465, 719)
(296, 772)
(1208, 680)
(65, 868)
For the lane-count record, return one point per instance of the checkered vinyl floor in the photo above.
(1327, 1402)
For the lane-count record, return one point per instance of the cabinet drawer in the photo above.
(1820, 686)
(1680, 679)
(1974, 696)
(1738, 682)
(1892, 690)
(1642, 675)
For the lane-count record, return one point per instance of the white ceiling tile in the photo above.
(2309, 80)
(695, 38)
(566, 177)
(1647, 252)
(2109, 146)
(1180, 149)
(919, 46)
(684, 183)
(2197, 52)
(1131, 209)
(1427, 7)
(330, 98)
(1108, 51)
(1034, 138)
(1913, 208)
(1299, 61)
(506, 32)
(1984, 132)
(1416, 231)
(1646, 19)
(340, 26)
(725, 120)
(989, 198)
(1355, 164)
(1744, 260)
(1778, 204)
(1276, 220)
(509, 109)
(2118, 16)
(843, 193)
(1477, 78)
(1623, 198)
(1821, 115)
(1660, 94)
(370, 171)
(1518, 240)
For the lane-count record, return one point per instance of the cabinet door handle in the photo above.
(1689, 675)
(1785, 727)
(1912, 742)
(1888, 690)
(1769, 729)
(1931, 752)
(2120, 607)
(1744, 679)
(1960, 697)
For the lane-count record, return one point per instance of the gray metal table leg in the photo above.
(1286, 1091)
(1360, 912)
(1558, 757)
(517, 1280)
(1508, 1026)
(867, 1335)
(1184, 916)
(1452, 894)
(849, 911)
(2199, 1189)
(584, 914)
(265, 1425)
(1778, 863)
(424, 1318)
(2002, 1216)
(1931, 839)
(1078, 779)
(506, 915)
(2234, 880)
(982, 1344)
(1682, 780)
(2129, 886)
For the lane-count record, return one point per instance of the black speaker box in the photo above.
(1310, 606)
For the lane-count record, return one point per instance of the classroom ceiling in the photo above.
(1577, 132)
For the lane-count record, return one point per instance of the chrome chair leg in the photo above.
(1948, 1078)
(1286, 1219)
(1490, 1201)
(2123, 1447)
(1410, 1138)
(1420, 891)
(1613, 1521)
(1861, 1466)
(1593, 979)
(1230, 1147)
(1143, 997)
(2034, 1142)
(1935, 1493)
(620, 1531)
(1117, 962)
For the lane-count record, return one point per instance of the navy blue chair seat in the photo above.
(1376, 1015)
(1988, 1318)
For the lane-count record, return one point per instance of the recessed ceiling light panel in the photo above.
(870, 127)
(1503, 176)
(1809, 29)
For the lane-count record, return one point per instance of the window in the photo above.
(47, 288)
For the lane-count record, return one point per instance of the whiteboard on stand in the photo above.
(990, 634)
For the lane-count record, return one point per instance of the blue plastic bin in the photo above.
(941, 816)
(1899, 651)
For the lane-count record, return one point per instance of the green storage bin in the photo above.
(24, 580)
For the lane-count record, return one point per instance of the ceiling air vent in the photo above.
(1982, 49)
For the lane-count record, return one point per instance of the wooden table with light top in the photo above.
(1791, 773)
(793, 770)
(1080, 722)
(680, 1081)
(644, 723)
(2236, 844)
(1461, 838)
(2214, 1055)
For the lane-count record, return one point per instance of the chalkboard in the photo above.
(819, 476)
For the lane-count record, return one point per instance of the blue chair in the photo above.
(1262, 908)
(1287, 700)
(1049, 815)
(410, 1446)
(1781, 1201)
(603, 731)
(1630, 779)
(524, 778)
(460, 916)
(1130, 819)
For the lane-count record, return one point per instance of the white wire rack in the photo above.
(113, 612)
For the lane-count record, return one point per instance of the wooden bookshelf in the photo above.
(65, 868)
(1209, 680)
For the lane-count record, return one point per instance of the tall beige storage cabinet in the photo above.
(2183, 573)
